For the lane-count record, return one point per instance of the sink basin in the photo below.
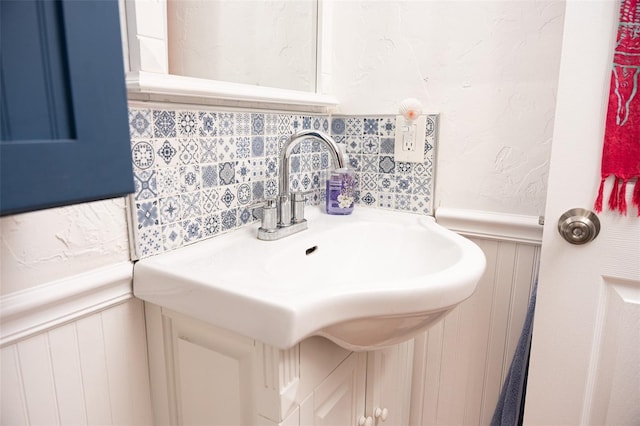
(365, 281)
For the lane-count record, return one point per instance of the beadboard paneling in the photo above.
(89, 371)
(461, 363)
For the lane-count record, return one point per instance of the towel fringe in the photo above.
(613, 196)
(635, 199)
(618, 195)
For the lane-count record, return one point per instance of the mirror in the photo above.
(268, 43)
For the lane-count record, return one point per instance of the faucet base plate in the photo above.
(281, 231)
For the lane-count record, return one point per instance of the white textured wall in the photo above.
(489, 67)
(43, 246)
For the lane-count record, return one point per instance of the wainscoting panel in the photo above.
(461, 363)
(89, 371)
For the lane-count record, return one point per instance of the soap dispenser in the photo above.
(341, 191)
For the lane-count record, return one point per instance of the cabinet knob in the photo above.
(365, 421)
(381, 413)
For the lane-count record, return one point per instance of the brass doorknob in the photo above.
(579, 226)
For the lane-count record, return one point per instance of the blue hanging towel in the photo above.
(510, 407)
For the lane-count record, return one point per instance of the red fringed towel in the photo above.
(621, 152)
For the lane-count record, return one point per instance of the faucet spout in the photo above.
(287, 149)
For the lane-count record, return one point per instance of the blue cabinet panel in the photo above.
(64, 133)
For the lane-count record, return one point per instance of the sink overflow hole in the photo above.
(311, 250)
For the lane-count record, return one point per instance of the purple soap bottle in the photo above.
(341, 192)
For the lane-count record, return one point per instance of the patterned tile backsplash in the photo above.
(198, 172)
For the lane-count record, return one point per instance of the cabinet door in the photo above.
(339, 400)
(64, 136)
(389, 376)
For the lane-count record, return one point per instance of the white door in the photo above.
(585, 359)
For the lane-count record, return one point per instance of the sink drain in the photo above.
(311, 250)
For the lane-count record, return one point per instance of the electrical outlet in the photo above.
(410, 135)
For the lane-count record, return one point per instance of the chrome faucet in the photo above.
(285, 215)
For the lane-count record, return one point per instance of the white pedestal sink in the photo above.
(364, 281)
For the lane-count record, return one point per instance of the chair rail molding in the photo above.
(34, 310)
(491, 225)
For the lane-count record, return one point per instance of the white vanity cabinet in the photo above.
(202, 374)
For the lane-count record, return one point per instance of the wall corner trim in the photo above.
(491, 225)
(34, 310)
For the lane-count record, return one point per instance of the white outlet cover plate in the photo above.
(415, 155)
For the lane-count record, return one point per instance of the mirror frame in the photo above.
(145, 45)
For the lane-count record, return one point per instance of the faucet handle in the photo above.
(269, 213)
(299, 199)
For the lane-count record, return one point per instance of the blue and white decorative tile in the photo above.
(170, 209)
(167, 151)
(164, 124)
(355, 162)
(186, 124)
(142, 155)
(208, 150)
(369, 182)
(295, 163)
(207, 124)
(305, 181)
(354, 126)
(270, 124)
(371, 126)
(338, 126)
(386, 164)
(369, 164)
(245, 215)
(243, 124)
(209, 199)
(368, 198)
(257, 146)
(145, 184)
(403, 202)
(305, 163)
(225, 124)
(388, 126)
(190, 178)
(226, 149)
(257, 124)
(243, 147)
(354, 144)
(272, 146)
(387, 145)
(257, 190)
(404, 168)
(422, 185)
(270, 167)
(284, 124)
(316, 161)
(172, 236)
(210, 225)
(228, 219)
(192, 230)
(324, 160)
(191, 205)
(244, 194)
(150, 241)
(140, 123)
(243, 170)
(386, 183)
(147, 213)
(404, 184)
(371, 145)
(228, 197)
(168, 181)
(189, 151)
(386, 200)
(227, 173)
(209, 175)
(271, 188)
(258, 169)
